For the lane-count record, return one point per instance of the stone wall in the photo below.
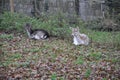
(91, 9)
(23, 6)
(86, 9)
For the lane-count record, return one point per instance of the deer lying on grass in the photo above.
(78, 38)
(38, 34)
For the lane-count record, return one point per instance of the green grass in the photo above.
(6, 36)
(34, 50)
(80, 60)
(16, 22)
(112, 39)
(104, 79)
(88, 72)
(10, 58)
(100, 37)
(21, 64)
(53, 77)
(56, 27)
(58, 57)
(95, 55)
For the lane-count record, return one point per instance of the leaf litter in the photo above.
(56, 59)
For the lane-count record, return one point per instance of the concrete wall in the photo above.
(86, 9)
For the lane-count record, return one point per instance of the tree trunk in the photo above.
(77, 6)
(12, 6)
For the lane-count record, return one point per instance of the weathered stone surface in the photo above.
(86, 9)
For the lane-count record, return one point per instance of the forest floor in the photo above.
(56, 59)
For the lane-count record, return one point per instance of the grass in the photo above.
(53, 77)
(102, 37)
(112, 39)
(104, 79)
(56, 27)
(10, 59)
(34, 50)
(57, 58)
(87, 73)
(6, 36)
(16, 22)
(80, 60)
(95, 55)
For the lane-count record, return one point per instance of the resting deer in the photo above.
(78, 38)
(38, 34)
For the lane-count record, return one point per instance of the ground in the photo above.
(22, 58)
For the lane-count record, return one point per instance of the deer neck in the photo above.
(29, 32)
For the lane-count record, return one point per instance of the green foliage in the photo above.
(54, 77)
(95, 55)
(88, 72)
(56, 60)
(80, 60)
(6, 36)
(53, 57)
(112, 39)
(95, 24)
(113, 9)
(10, 59)
(15, 56)
(118, 18)
(55, 25)
(101, 37)
(6, 63)
(14, 21)
(107, 25)
(113, 5)
(34, 50)
(104, 79)
(116, 40)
